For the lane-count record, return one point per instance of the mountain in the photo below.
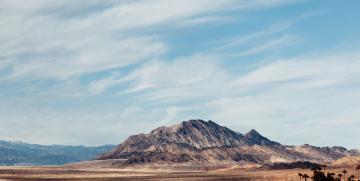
(18, 153)
(205, 142)
(327, 154)
(355, 151)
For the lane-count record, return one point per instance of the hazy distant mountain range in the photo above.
(205, 142)
(18, 153)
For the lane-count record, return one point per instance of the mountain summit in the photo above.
(205, 142)
(255, 138)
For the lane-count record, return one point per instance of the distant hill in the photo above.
(205, 142)
(18, 153)
(292, 165)
(351, 161)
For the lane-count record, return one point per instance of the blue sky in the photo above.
(95, 72)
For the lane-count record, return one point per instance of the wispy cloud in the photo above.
(187, 77)
(99, 86)
(243, 39)
(267, 45)
(292, 93)
(295, 94)
(206, 20)
(42, 40)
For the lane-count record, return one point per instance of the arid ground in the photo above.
(59, 173)
(69, 173)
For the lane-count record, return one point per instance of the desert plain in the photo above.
(97, 170)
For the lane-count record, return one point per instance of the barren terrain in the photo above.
(146, 173)
(62, 173)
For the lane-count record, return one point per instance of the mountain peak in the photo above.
(253, 132)
(195, 121)
(199, 123)
(255, 138)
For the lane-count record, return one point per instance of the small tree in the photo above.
(324, 168)
(300, 175)
(306, 176)
(344, 172)
(331, 176)
(340, 175)
(351, 178)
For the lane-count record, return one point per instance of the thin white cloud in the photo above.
(203, 76)
(330, 68)
(187, 78)
(99, 86)
(206, 20)
(244, 39)
(268, 45)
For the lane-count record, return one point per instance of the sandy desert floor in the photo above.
(69, 173)
(60, 173)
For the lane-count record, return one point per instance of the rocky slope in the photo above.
(19, 153)
(201, 142)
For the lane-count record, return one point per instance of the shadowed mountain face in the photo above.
(198, 141)
(254, 138)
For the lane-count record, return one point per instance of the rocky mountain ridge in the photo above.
(205, 142)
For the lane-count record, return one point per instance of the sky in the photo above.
(94, 72)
